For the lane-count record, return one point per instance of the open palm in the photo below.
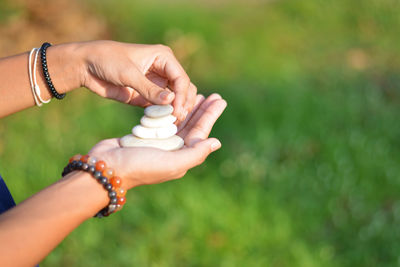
(138, 166)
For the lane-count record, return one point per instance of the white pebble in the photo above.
(157, 122)
(154, 133)
(173, 143)
(157, 111)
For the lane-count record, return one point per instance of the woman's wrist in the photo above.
(66, 67)
(105, 176)
(93, 195)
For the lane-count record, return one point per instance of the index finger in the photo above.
(178, 82)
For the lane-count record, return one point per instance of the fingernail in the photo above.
(164, 95)
(216, 145)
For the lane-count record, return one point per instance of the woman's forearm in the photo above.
(37, 225)
(64, 64)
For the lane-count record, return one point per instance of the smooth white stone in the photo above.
(154, 133)
(157, 111)
(173, 143)
(157, 122)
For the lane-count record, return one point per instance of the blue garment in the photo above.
(6, 200)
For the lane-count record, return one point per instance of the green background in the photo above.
(308, 174)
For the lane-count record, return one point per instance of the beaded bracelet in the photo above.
(46, 72)
(104, 176)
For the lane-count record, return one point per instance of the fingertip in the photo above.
(163, 95)
(220, 104)
(209, 144)
(215, 144)
(215, 96)
(196, 154)
(225, 104)
(166, 96)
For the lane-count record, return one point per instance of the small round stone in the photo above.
(85, 158)
(119, 207)
(68, 169)
(121, 200)
(112, 208)
(113, 200)
(91, 169)
(97, 174)
(100, 165)
(156, 111)
(76, 157)
(103, 180)
(104, 212)
(108, 173)
(116, 181)
(79, 164)
(85, 166)
(92, 160)
(112, 194)
(155, 133)
(108, 186)
(121, 192)
(157, 122)
(173, 143)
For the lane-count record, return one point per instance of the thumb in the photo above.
(195, 155)
(149, 90)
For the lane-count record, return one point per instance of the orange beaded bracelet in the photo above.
(104, 176)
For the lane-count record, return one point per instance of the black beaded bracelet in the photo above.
(115, 192)
(46, 72)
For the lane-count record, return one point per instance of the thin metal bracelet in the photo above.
(31, 80)
(35, 84)
(46, 73)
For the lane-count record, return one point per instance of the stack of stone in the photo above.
(156, 129)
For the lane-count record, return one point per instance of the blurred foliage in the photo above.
(26, 23)
(308, 174)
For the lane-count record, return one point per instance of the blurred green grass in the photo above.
(308, 174)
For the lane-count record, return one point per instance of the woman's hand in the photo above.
(131, 73)
(137, 74)
(138, 166)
